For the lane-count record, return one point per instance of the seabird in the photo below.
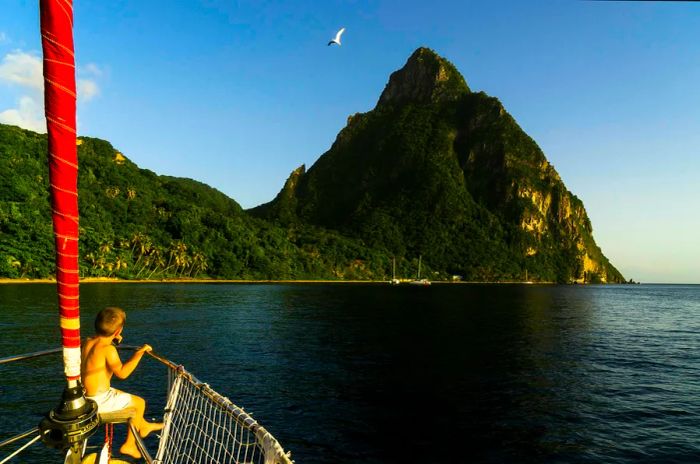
(337, 37)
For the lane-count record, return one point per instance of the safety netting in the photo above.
(201, 426)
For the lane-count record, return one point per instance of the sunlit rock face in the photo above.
(425, 78)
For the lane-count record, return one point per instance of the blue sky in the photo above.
(239, 93)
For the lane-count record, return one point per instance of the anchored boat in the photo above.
(418, 280)
(201, 426)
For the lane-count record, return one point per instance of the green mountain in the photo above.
(434, 170)
(440, 171)
(135, 223)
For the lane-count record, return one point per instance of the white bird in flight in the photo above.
(337, 37)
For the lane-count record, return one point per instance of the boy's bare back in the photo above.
(101, 361)
(96, 373)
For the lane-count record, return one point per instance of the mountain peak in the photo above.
(425, 78)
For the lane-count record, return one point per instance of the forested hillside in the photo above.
(137, 224)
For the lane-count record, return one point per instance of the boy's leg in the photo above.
(129, 447)
(143, 426)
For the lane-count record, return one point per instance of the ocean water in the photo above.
(380, 374)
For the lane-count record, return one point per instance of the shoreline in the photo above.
(113, 280)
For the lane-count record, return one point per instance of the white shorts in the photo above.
(111, 400)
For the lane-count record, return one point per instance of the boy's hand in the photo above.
(145, 349)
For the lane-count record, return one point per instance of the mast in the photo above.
(75, 418)
(59, 99)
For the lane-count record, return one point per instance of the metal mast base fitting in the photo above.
(73, 421)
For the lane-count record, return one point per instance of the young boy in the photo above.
(101, 361)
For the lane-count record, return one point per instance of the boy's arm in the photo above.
(114, 363)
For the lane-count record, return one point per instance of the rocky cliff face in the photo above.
(438, 170)
(426, 78)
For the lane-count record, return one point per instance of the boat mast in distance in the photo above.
(394, 280)
(418, 280)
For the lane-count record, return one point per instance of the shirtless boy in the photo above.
(101, 361)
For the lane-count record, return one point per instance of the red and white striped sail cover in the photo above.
(59, 98)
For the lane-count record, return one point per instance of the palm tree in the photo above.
(119, 263)
(136, 239)
(144, 247)
(105, 248)
(172, 251)
(177, 251)
(100, 265)
(15, 263)
(158, 261)
(26, 268)
(195, 262)
(145, 264)
(153, 257)
(185, 261)
(199, 263)
(90, 258)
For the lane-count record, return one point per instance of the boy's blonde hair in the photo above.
(109, 320)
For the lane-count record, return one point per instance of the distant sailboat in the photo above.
(418, 280)
(394, 280)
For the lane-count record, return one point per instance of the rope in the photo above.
(109, 437)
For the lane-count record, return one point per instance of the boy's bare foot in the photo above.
(130, 450)
(148, 427)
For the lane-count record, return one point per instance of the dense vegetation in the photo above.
(434, 170)
(439, 171)
(136, 224)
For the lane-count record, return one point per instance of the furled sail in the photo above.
(60, 99)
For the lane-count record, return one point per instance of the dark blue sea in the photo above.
(350, 373)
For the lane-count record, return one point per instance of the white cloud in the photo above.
(87, 89)
(29, 115)
(92, 68)
(4, 38)
(25, 70)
